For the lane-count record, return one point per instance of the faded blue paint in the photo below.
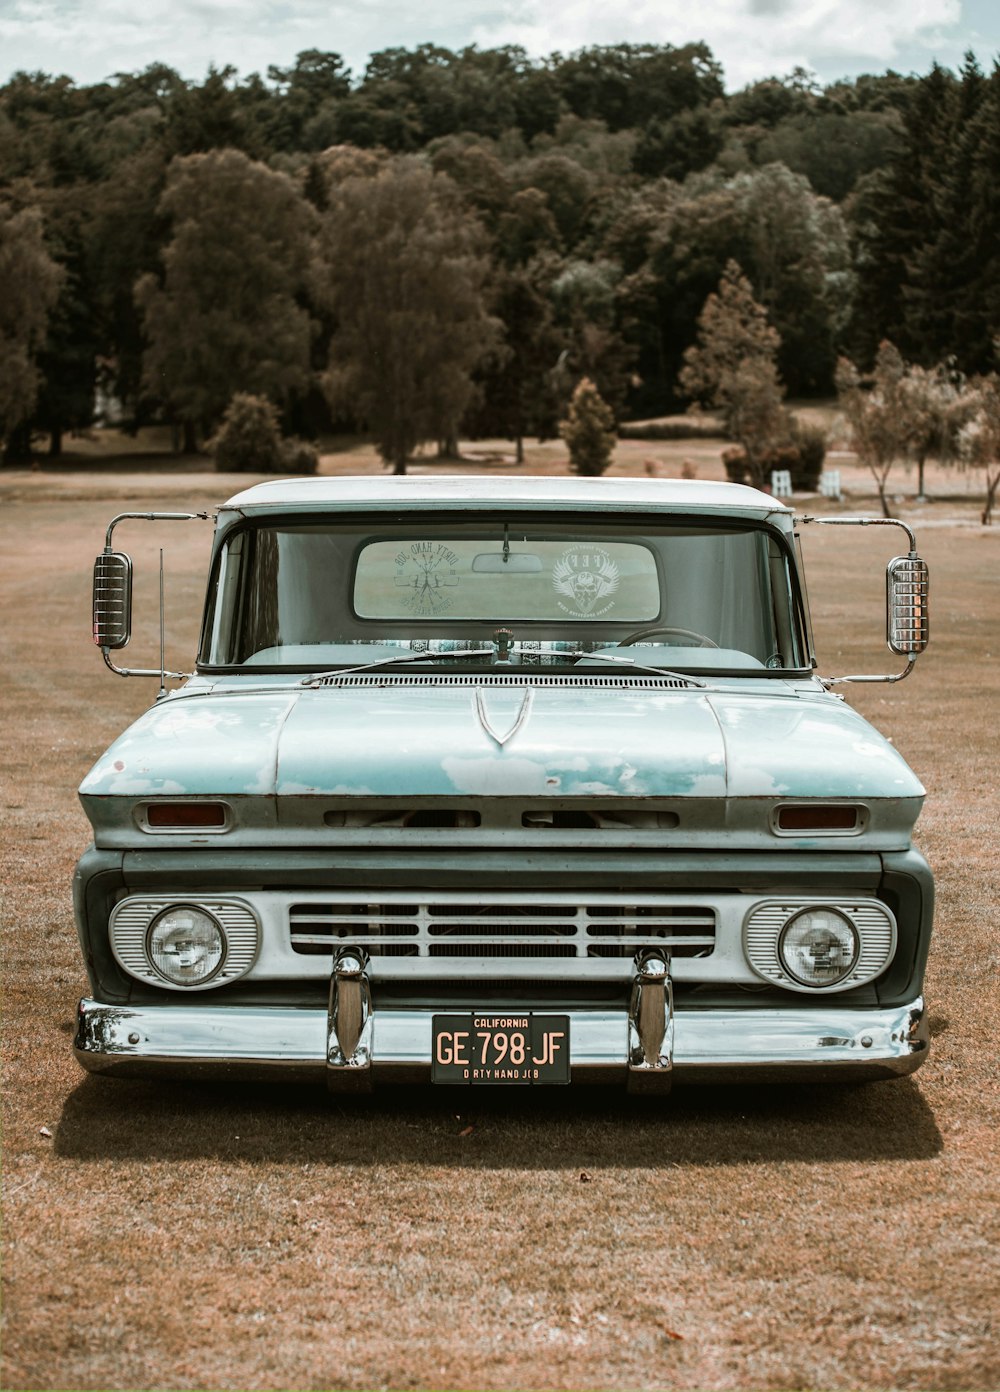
(396, 741)
(206, 744)
(808, 748)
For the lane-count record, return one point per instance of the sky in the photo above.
(90, 40)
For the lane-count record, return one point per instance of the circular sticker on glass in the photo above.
(587, 579)
(427, 569)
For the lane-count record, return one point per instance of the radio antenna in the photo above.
(163, 675)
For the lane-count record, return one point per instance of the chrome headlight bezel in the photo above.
(217, 949)
(132, 921)
(784, 954)
(767, 920)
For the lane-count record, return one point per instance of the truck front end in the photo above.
(522, 782)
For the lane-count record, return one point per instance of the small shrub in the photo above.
(810, 445)
(588, 430)
(249, 441)
(249, 437)
(298, 456)
(802, 456)
(734, 461)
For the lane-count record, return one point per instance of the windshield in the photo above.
(311, 595)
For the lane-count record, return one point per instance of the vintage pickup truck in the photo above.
(516, 781)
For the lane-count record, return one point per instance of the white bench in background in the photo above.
(829, 484)
(781, 483)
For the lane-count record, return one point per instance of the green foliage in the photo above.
(628, 85)
(516, 393)
(588, 430)
(928, 227)
(792, 246)
(832, 149)
(733, 369)
(248, 441)
(979, 436)
(809, 446)
(874, 410)
(226, 316)
(403, 273)
(29, 287)
(678, 147)
(298, 457)
(863, 210)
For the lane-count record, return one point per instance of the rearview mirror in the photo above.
(906, 585)
(507, 563)
(112, 599)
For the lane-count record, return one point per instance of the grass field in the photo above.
(216, 1237)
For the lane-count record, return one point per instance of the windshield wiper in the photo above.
(318, 677)
(573, 653)
(618, 661)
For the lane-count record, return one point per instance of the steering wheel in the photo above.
(701, 640)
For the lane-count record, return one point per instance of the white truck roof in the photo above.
(506, 490)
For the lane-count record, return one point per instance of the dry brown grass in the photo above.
(211, 1237)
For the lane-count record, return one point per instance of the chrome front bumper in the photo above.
(793, 1042)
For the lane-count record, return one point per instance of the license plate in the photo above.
(500, 1050)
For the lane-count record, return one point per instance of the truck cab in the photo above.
(515, 781)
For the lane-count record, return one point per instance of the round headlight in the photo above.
(186, 945)
(818, 947)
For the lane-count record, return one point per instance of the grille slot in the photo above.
(501, 925)
(524, 677)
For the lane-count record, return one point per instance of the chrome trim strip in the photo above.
(216, 1041)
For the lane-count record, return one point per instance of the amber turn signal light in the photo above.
(177, 815)
(836, 817)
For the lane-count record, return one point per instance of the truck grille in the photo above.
(400, 924)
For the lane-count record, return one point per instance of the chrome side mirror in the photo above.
(906, 586)
(112, 600)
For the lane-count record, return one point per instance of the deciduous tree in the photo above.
(874, 407)
(979, 438)
(402, 271)
(226, 315)
(29, 287)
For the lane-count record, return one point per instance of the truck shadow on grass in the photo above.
(545, 1129)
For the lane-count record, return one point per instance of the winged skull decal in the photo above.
(586, 577)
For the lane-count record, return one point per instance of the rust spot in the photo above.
(119, 764)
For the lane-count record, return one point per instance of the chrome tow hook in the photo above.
(349, 1023)
(651, 1024)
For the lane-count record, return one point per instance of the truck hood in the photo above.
(468, 740)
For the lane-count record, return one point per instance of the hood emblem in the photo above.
(484, 719)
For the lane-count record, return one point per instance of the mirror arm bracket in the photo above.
(160, 672)
(915, 564)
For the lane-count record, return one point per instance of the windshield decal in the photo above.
(588, 578)
(427, 569)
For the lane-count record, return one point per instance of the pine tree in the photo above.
(733, 368)
(945, 268)
(895, 218)
(588, 430)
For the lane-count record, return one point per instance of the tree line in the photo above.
(453, 241)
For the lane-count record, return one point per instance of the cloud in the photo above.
(751, 38)
(90, 39)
